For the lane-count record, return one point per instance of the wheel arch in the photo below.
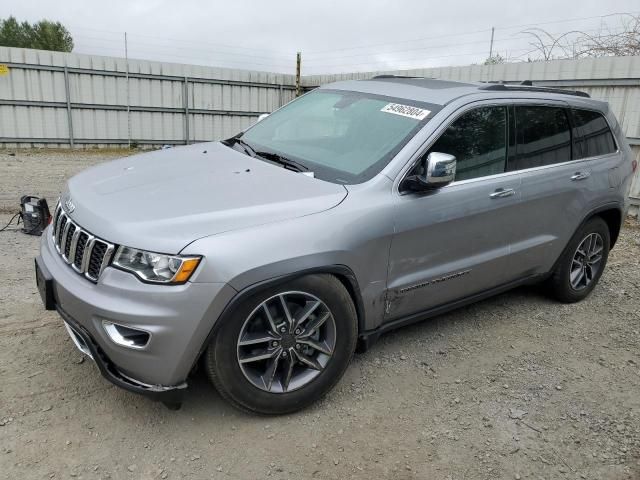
(611, 213)
(613, 219)
(343, 273)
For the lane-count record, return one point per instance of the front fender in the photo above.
(353, 246)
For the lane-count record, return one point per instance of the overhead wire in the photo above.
(113, 47)
(243, 56)
(193, 42)
(431, 47)
(315, 64)
(175, 47)
(459, 34)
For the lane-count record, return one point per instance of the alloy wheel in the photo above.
(286, 342)
(586, 261)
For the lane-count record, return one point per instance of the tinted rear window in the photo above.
(593, 136)
(543, 137)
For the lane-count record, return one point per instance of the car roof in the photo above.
(442, 92)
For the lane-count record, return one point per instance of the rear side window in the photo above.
(478, 140)
(543, 137)
(593, 136)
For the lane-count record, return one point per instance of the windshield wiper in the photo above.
(270, 156)
(284, 161)
(247, 148)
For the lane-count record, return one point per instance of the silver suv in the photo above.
(357, 208)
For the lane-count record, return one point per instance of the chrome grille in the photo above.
(68, 239)
(87, 255)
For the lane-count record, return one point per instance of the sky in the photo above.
(332, 35)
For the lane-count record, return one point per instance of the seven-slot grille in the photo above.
(87, 255)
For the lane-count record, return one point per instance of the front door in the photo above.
(455, 241)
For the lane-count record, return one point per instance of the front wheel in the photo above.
(582, 263)
(285, 347)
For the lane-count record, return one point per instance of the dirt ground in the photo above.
(516, 387)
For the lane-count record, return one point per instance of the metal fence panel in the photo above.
(46, 92)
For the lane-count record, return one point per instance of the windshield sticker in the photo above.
(406, 111)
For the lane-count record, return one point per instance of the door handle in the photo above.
(580, 176)
(502, 193)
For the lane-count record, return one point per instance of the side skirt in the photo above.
(368, 338)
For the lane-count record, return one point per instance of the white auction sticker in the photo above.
(406, 111)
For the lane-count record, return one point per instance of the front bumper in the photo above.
(179, 319)
(86, 344)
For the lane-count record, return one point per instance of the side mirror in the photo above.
(439, 169)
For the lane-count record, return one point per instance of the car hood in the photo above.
(163, 200)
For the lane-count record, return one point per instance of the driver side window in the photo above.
(478, 140)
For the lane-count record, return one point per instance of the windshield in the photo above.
(340, 136)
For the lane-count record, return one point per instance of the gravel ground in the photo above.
(43, 172)
(517, 386)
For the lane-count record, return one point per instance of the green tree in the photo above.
(14, 34)
(494, 60)
(43, 35)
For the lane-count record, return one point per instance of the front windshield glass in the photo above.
(341, 136)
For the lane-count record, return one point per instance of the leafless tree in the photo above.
(578, 44)
(611, 43)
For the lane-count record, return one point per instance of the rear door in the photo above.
(595, 141)
(555, 185)
(454, 242)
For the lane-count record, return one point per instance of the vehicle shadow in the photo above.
(487, 313)
(202, 398)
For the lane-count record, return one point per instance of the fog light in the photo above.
(126, 336)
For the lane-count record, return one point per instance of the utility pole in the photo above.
(298, 68)
(126, 57)
(491, 45)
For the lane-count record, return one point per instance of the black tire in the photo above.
(560, 283)
(221, 358)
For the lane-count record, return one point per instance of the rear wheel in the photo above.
(582, 263)
(285, 347)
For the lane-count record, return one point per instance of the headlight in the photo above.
(156, 267)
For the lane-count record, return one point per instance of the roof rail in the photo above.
(527, 86)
